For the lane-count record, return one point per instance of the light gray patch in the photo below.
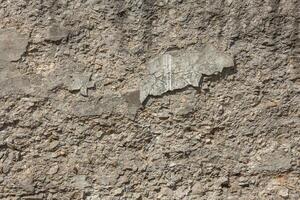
(56, 33)
(81, 82)
(127, 103)
(131, 97)
(11, 81)
(80, 182)
(109, 103)
(178, 69)
(12, 45)
(274, 162)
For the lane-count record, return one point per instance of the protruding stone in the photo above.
(178, 69)
(53, 170)
(165, 192)
(197, 189)
(12, 45)
(118, 191)
(27, 185)
(6, 168)
(294, 69)
(223, 181)
(53, 145)
(243, 182)
(284, 193)
(34, 197)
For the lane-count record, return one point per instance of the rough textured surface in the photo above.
(71, 121)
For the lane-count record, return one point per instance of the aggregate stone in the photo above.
(53, 170)
(197, 189)
(27, 185)
(243, 182)
(224, 181)
(80, 182)
(118, 191)
(284, 193)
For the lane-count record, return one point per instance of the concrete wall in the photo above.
(82, 117)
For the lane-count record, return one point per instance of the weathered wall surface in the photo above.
(149, 99)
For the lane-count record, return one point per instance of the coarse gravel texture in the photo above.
(72, 125)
